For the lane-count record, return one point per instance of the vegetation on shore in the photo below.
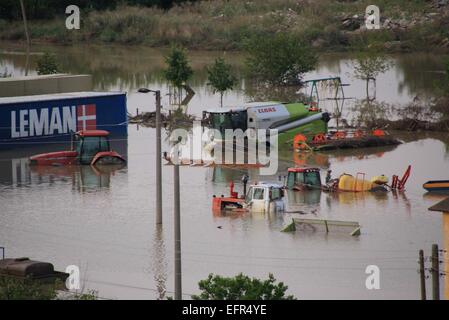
(407, 25)
(241, 287)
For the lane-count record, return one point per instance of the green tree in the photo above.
(280, 59)
(220, 77)
(47, 64)
(178, 69)
(368, 65)
(241, 287)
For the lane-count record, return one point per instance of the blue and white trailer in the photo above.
(31, 120)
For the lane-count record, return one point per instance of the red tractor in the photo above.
(88, 147)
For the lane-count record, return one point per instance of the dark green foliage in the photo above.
(241, 287)
(220, 77)
(47, 64)
(15, 289)
(46, 9)
(178, 69)
(280, 59)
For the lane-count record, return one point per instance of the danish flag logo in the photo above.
(86, 116)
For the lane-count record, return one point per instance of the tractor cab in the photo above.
(303, 179)
(226, 118)
(265, 197)
(87, 147)
(89, 143)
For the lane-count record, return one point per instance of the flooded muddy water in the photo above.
(104, 221)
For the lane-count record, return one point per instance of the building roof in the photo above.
(266, 184)
(442, 206)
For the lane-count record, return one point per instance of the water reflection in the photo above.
(159, 263)
(124, 68)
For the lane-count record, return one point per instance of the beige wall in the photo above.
(33, 85)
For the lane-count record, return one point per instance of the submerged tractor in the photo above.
(301, 179)
(289, 119)
(89, 147)
(261, 197)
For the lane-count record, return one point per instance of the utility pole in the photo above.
(158, 159)
(435, 272)
(178, 278)
(422, 275)
(158, 154)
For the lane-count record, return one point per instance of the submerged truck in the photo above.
(289, 119)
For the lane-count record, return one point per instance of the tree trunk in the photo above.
(27, 35)
(221, 99)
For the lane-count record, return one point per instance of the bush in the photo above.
(47, 64)
(27, 289)
(281, 59)
(241, 287)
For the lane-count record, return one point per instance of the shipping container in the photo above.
(40, 119)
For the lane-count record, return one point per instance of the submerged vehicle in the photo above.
(261, 197)
(289, 119)
(89, 147)
(441, 186)
(305, 178)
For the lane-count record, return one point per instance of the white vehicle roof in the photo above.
(243, 107)
(266, 184)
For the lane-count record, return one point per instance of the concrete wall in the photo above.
(47, 84)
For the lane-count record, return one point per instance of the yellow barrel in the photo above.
(380, 179)
(349, 183)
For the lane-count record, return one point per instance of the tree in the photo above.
(280, 59)
(220, 77)
(367, 66)
(241, 287)
(178, 69)
(27, 36)
(47, 64)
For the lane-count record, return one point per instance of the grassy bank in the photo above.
(407, 25)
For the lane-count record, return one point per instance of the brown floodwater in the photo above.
(104, 221)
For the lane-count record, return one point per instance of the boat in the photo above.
(341, 140)
(437, 186)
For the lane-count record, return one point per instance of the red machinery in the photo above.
(232, 202)
(88, 147)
